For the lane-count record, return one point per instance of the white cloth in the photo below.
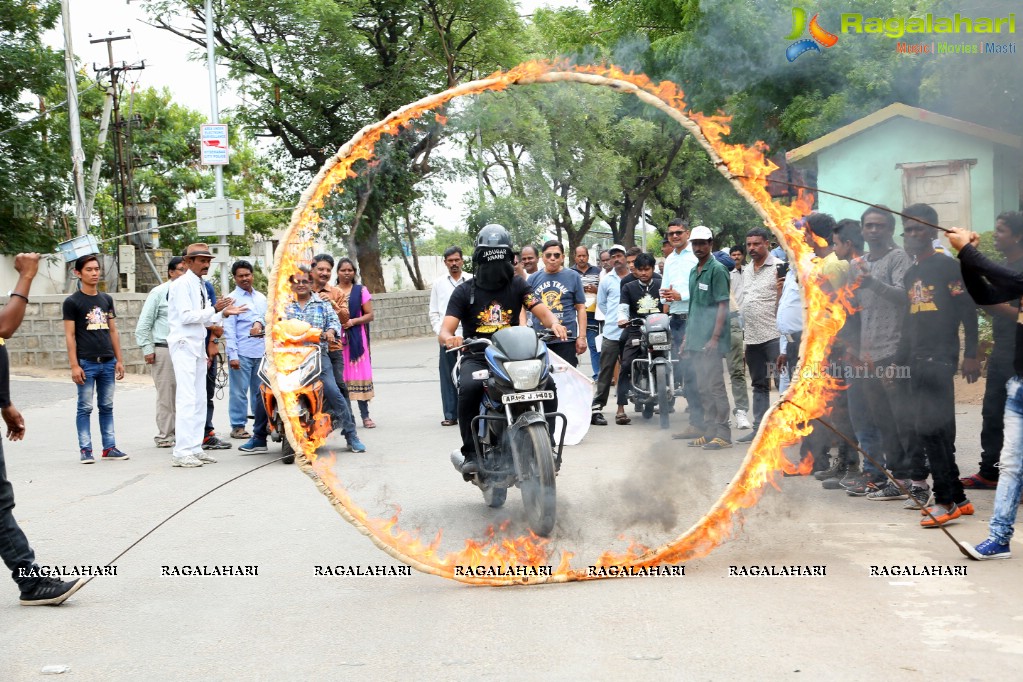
(575, 394)
(440, 294)
(189, 400)
(189, 312)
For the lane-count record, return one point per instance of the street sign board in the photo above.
(213, 144)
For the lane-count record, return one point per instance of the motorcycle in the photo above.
(298, 364)
(652, 375)
(511, 433)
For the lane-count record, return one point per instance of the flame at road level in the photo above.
(747, 169)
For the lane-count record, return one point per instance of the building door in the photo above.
(945, 185)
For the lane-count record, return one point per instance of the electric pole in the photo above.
(119, 161)
(77, 155)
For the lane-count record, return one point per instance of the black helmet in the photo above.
(492, 244)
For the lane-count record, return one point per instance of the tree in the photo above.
(316, 71)
(31, 174)
(162, 150)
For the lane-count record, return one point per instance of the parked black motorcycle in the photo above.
(652, 375)
(511, 433)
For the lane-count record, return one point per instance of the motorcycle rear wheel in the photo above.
(663, 394)
(539, 495)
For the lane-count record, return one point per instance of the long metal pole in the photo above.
(77, 155)
(211, 65)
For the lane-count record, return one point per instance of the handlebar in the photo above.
(545, 336)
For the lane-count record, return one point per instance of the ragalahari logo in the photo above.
(818, 36)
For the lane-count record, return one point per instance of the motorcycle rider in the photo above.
(311, 308)
(640, 298)
(491, 301)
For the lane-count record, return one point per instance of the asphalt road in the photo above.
(620, 483)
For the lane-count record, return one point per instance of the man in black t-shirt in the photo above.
(491, 301)
(94, 352)
(37, 587)
(929, 345)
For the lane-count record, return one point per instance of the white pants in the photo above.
(189, 401)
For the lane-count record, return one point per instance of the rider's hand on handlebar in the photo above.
(559, 331)
(453, 342)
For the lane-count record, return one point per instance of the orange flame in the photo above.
(748, 168)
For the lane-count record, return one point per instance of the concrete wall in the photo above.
(50, 279)
(864, 167)
(39, 341)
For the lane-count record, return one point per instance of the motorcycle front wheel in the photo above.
(662, 379)
(286, 449)
(538, 489)
(495, 497)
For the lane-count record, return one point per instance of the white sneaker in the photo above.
(188, 461)
(741, 420)
(205, 458)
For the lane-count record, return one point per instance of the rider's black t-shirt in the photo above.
(642, 299)
(490, 311)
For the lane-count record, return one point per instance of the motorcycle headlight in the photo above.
(524, 374)
(303, 376)
(657, 338)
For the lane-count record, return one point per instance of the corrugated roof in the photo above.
(905, 111)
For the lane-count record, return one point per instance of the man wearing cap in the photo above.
(189, 312)
(706, 341)
(151, 336)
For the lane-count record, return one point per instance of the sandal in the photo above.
(622, 419)
(368, 423)
(978, 482)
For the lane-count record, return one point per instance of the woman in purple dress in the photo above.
(358, 364)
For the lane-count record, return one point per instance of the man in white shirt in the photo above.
(189, 312)
(675, 297)
(151, 336)
(440, 294)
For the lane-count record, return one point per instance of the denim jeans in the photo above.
(867, 432)
(684, 373)
(448, 392)
(1010, 482)
(14, 547)
(99, 380)
(339, 409)
(999, 371)
(244, 391)
(592, 331)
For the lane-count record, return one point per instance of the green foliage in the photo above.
(34, 186)
(314, 72)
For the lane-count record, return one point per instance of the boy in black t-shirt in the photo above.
(640, 297)
(94, 353)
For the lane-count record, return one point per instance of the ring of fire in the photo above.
(784, 424)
